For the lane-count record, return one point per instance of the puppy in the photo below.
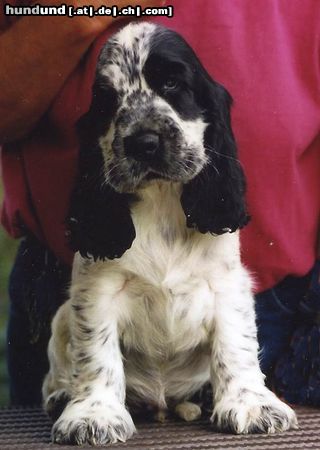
(160, 303)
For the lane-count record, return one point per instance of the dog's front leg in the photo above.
(242, 403)
(96, 413)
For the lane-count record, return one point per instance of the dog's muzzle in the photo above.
(143, 146)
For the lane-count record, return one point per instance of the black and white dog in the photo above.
(160, 303)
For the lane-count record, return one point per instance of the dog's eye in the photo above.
(170, 84)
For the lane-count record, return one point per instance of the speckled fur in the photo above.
(140, 105)
(173, 313)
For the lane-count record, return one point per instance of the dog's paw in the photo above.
(96, 425)
(188, 411)
(253, 412)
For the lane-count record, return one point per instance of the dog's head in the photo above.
(155, 114)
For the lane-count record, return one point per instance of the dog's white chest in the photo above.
(170, 295)
(168, 319)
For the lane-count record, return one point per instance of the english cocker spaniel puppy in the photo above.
(160, 303)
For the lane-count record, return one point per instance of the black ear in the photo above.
(99, 220)
(214, 200)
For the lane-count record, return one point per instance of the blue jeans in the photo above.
(278, 315)
(38, 286)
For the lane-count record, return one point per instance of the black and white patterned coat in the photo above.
(160, 303)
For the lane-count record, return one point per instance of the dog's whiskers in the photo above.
(110, 174)
(211, 149)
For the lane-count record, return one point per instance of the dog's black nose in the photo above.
(142, 146)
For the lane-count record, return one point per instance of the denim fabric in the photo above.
(297, 372)
(38, 286)
(278, 315)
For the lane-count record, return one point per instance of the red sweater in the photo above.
(267, 54)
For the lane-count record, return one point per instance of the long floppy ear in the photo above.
(214, 200)
(99, 219)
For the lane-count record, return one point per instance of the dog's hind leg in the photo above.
(188, 411)
(56, 402)
(55, 386)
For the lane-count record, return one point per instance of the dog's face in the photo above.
(157, 127)
(155, 113)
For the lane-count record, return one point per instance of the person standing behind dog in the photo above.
(267, 57)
